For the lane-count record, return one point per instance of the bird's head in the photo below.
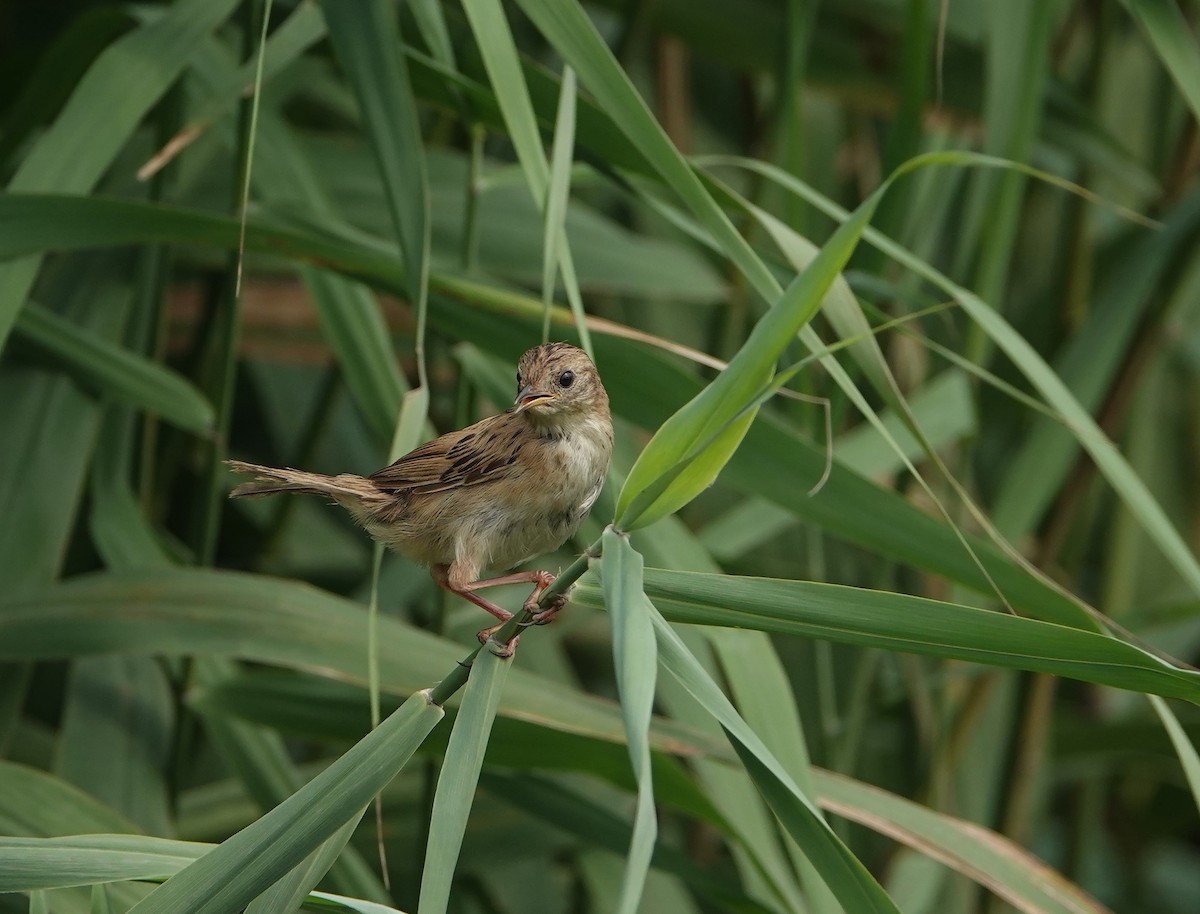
(556, 382)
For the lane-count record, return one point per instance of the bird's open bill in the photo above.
(528, 396)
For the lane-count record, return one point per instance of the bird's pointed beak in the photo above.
(528, 397)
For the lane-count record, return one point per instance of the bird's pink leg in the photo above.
(540, 580)
(441, 576)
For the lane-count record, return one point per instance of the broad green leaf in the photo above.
(1175, 41)
(600, 826)
(366, 37)
(120, 87)
(455, 793)
(734, 388)
(899, 622)
(1007, 870)
(238, 870)
(502, 61)
(293, 889)
(51, 427)
(573, 35)
(636, 665)
(350, 314)
(842, 872)
(116, 371)
(1056, 394)
(119, 756)
(195, 612)
(104, 858)
(35, 803)
(57, 862)
(557, 193)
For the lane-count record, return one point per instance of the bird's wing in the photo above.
(476, 454)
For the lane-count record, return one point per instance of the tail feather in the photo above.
(269, 480)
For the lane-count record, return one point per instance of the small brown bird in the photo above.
(498, 492)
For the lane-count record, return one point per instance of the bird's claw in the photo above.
(499, 648)
(504, 650)
(543, 616)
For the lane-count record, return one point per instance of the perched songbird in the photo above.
(495, 493)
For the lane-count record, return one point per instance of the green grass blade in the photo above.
(1087, 363)
(1018, 37)
(119, 530)
(503, 64)
(354, 326)
(195, 612)
(1108, 459)
(51, 427)
(259, 758)
(900, 622)
(123, 84)
(80, 860)
(287, 42)
(35, 803)
(842, 872)
(1175, 42)
(1189, 758)
(431, 23)
(100, 900)
(77, 860)
(944, 409)
(290, 892)
(558, 191)
(351, 319)
(763, 693)
(635, 660)
(599, 826)
(119, 757)
(459, 776)
(241, 868)
(736, 386)
(367, 39)
(572, 34)
(992, 860)
(117, 371)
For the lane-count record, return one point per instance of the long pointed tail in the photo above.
(269, 480)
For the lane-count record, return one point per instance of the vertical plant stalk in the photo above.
(474, 188)
(366, 39)
(555, 211)
(228, 321)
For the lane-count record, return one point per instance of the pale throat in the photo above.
(564, 424)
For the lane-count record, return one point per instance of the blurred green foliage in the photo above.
(916, 622)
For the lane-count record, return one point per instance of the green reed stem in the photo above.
(458, 676)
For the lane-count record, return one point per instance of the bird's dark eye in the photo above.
(566, 379)
(518, 380)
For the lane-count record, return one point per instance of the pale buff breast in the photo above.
(532, 511)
